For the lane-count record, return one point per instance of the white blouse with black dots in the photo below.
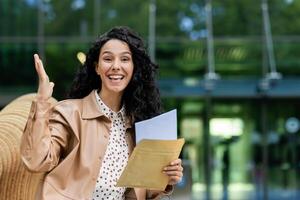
(115, 158)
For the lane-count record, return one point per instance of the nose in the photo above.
(116, 65)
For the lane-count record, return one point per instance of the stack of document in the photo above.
(161, 127)
(157, 146)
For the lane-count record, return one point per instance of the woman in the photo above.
(83, 143)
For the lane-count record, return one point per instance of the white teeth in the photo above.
(115, 77)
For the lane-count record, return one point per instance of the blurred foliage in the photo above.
(71, 25)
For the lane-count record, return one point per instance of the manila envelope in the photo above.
(146, 163)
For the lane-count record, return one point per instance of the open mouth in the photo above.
(116, 77)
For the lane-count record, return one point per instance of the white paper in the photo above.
(161, 127)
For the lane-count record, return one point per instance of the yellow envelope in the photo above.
(146, 163)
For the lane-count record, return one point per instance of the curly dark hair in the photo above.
(141, 97)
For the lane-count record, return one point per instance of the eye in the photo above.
(107, 59)
(125, 59)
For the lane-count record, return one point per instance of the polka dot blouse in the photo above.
(115, 158)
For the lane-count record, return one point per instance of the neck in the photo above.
(113, 101)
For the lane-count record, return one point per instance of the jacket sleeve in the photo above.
(44, 138)
(150, 194)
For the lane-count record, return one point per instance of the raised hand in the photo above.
(45, 88)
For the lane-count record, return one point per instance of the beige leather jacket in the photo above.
(68, 141)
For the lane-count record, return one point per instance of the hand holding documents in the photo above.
(157, 146)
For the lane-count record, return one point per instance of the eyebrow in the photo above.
(124, 52)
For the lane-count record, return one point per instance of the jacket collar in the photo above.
(91, 109)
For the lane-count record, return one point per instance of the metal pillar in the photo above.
(265, 152)
(273, 74)
(210, 76)
(265, 86)
(207, 147)
(210, 42)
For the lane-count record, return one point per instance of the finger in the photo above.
(36, 58)
(40, 68)
(51, 84)
(173, 168)
(176, 162)
(173, 173)
(44, 75)
(174, 180)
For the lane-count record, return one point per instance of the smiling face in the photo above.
(115, 67)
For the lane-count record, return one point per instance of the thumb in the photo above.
(51, 84)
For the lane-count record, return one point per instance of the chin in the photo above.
(117, 90)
